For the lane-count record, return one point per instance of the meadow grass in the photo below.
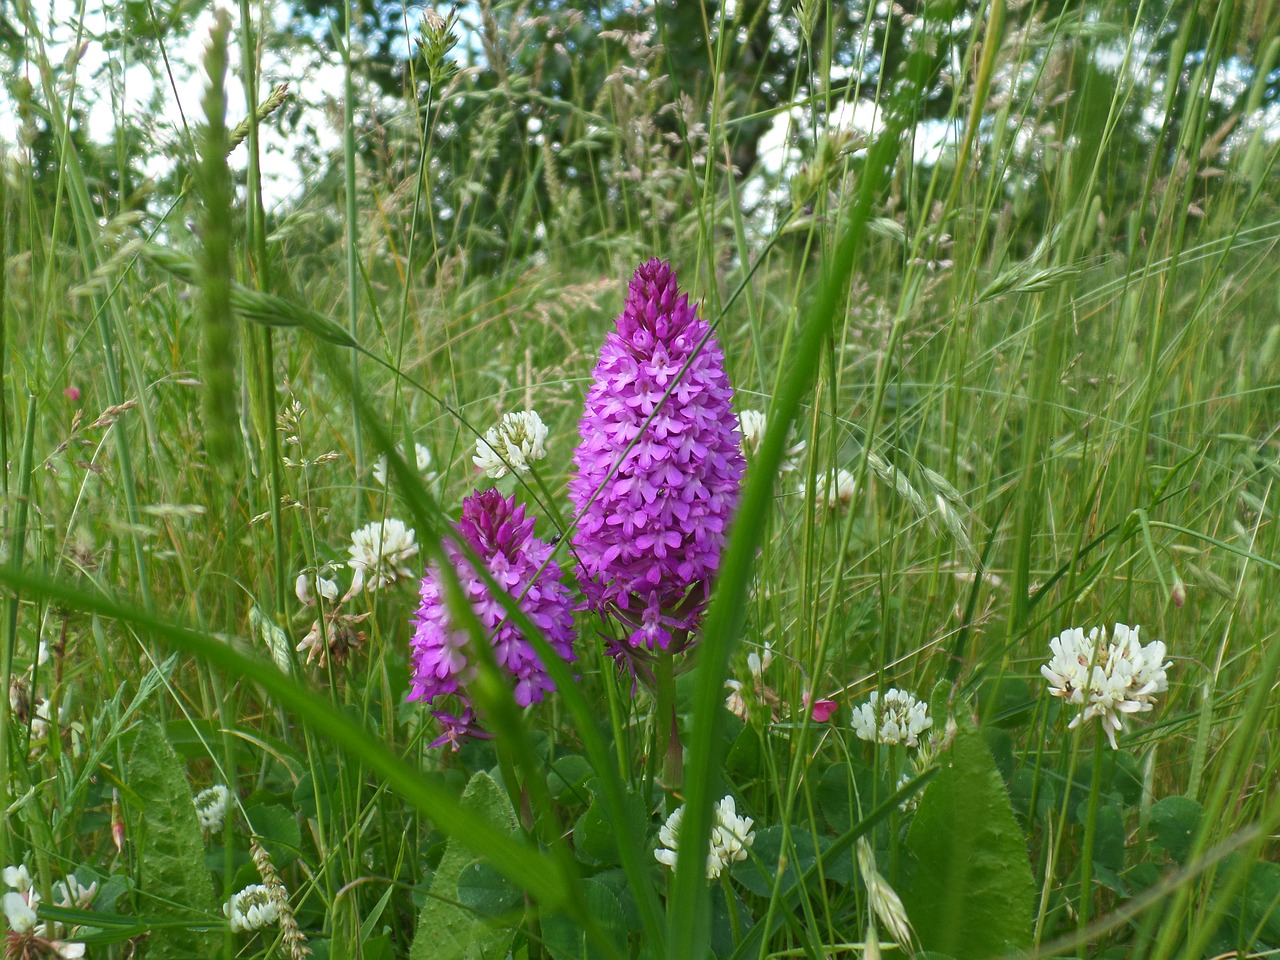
(1054, 391)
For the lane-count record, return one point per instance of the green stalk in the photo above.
(260, 347)
(1090, 835)
(17, 551)
(352, 217)
(669, 752)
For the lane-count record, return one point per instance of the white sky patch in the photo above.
(114, 93)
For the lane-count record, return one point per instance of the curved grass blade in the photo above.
(533, 871)
(688, 918)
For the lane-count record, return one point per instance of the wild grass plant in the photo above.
(1017, 387)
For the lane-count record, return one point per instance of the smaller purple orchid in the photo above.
(500, 533)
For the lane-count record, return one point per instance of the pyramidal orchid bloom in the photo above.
(501, 534)
(657, 474)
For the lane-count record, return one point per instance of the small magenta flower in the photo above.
(502, 535)
(657, 474)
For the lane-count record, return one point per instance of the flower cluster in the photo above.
(754, 423)
(657, 474)
(519, 440)
(731, 835)
(28, 937)
(251, 908)
(423, 459)
(834, 492)
(211, 807)
(1107, 676)
(380, 553)
(501, 535)
(742, 695)
(899, 718)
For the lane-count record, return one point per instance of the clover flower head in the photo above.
(518, 440)
(731, 837)
(422, 459)
(757, 664)
(500, 533)
(380, 553)
(754, 423)
(251, 908)
(1107, 676)
(657, 473)
(835, 492)
(899, 718)
(211, 807)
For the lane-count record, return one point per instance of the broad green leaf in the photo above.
(972, 893)
(1174, 821)
(767, 853)
(278, 828)
(174, 886)
(566, 940)
(486, 892)
(446, 930)
(596, 836)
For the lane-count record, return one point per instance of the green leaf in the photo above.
(596, 835)
(174, 886)
(758, 873)
(487, 892)
(279, 831)
(569, 774)
(1174, 821)
(566, 940)
(446, 929)
(972, 892)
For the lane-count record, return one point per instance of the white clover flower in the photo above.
(731, 836)
(424, 461)
(757, 664)
(20, 903)
(252, 908)
(40, 720)
(73, 894)
(20, 911)
(308, 585)
(17, 877)
(835, 492)
(211, 807)
(380, 553)
(901, 718)
(753, 424)
(516, 442)
(1107, 677)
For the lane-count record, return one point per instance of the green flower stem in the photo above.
(731, 904)
(1090, 833)
(670, 751)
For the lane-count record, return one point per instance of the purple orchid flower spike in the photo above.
(650, 532)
